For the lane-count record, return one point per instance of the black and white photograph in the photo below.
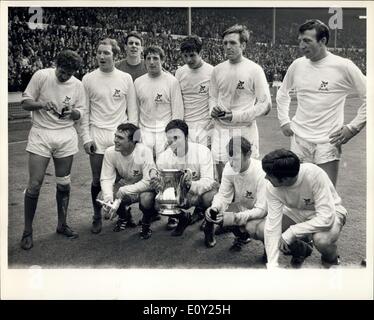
(176, 145)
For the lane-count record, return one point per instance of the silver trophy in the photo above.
(172, 194)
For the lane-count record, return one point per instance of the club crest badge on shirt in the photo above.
(308, 202)
(203, 89)
(135, 173)
(158, 98)
(117, 93)
(240, 85)
(249, 195)
(323, 86)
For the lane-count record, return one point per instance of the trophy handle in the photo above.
(156, 171)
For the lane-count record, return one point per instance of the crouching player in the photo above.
(243, 180)
(195, 158)
(303, 196)
(131, 161)
(56, 99)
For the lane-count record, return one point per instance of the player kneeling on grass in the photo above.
(56, 100)
(130, 161)
(303, 196)
(191, 157)
(244, 180)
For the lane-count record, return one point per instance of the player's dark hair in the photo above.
(68, 59)
(113, 43)
(133, 132)
(191, 43)
(241, 30)
(155, 50)
(178, 124)
(238, 143)
(322, 31)
(134, 34)
(281, 163)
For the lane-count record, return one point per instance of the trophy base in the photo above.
(169, 212)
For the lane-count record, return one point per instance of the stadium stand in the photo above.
(81, 28)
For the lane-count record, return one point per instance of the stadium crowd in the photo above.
(82, 28)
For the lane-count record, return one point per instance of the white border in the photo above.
(179, 283)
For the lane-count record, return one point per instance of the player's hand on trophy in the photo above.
(342, 136)
(90, 147)
(187, 179)
(156, 184)
(284, 247)
(286, 130)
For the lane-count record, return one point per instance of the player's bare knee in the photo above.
(34, 187)
(322, 240)
(260, 231)
(146, 201)
(251, 228)
(63, 183)
(207, 198)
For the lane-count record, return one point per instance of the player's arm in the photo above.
(273, 228)
(177, 107)
(214, 109)
(358, 81)
(107, 177)
(263, 100)
(30, 97)
(83, 127)
(357, 84)
(223, 198)
(283, 101)
(324, 208)
(132, 107)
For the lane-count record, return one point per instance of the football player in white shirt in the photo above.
(56, 99)
(322, 81)
(159, 99)
(238, 94)
(243, 180)
(302, 202)
(111, 100)
(130, 161)
(194, 79)
(196, 160)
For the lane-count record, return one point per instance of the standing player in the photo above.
(133, 64)
(111, 100)
(194, 79)
(159, 100)
(238, 94)
(243, 180)
(305, 199)
(183, 154)
(322, 81)
(131, 161)
(56, 99)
